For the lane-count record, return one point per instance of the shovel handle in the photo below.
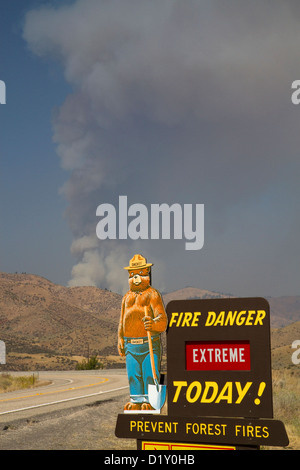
(151, 352)
(152, 356)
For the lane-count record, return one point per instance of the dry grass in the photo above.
(286, 400)
(9, 383)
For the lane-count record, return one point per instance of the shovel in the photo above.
(156, 393)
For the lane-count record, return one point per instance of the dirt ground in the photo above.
(90, 427)
(86, 427)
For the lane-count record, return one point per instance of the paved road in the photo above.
(78, 410)
(66, 389)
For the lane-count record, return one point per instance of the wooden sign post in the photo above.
(219, 381)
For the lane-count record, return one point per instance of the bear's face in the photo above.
(139, 279)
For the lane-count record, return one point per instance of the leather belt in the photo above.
(140, 340)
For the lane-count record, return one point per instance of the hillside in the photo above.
(281, 342)
(55, 326)
(193, 293)
(284, 310)
(37, 316)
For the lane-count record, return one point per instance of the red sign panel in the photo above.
(229, 355)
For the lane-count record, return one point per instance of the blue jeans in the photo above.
(139, 369)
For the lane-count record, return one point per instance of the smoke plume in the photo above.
(175, 101)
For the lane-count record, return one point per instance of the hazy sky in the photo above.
(163, 101)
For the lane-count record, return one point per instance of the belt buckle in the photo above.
(137, 341)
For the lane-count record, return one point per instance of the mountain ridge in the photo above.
(38, 316)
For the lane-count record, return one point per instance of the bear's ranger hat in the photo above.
(138, 262)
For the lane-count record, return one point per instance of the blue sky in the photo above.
(34, 235)
(163, 102)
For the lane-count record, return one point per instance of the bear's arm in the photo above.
(159, 314)
(120, 329)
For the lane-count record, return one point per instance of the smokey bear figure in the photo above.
(142, 311)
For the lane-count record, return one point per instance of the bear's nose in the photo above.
(137, 279)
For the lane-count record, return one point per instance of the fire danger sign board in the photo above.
(219, 358)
